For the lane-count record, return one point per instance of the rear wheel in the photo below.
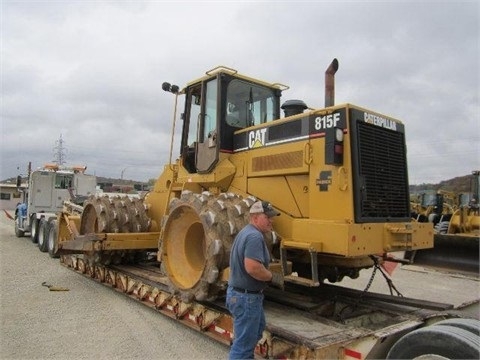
(34, 230)
(52, 239)
(42, 235)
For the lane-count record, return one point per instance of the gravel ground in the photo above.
(90, 321)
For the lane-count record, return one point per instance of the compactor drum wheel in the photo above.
(119, 214)
(113, 215)
(197, 239)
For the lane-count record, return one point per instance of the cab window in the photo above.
(248, 104)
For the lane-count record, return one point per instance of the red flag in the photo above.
(8, 215)
(389, 266)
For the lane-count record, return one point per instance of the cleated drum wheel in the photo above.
(103, 214)
(119, 214)
(197, 239)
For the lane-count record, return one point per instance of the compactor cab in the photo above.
(215, 107)
(338, 175)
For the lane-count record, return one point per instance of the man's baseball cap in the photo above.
(263, 207)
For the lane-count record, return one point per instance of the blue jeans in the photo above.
(248, 322)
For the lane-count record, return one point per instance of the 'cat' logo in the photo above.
(256, 138)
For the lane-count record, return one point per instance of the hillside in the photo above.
(460, 184)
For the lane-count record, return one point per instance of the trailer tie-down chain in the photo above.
(389, 281)
(391, 287)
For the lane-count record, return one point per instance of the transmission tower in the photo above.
(59, 156)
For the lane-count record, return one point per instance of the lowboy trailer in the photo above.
(328, 322)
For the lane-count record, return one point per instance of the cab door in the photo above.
(208, 137)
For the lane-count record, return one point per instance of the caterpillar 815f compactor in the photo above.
(338, 175)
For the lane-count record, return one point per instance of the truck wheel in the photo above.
(34, 231)
(443, 340)
(42, 235)
(52, 240)
(18, 232)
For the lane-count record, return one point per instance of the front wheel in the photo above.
(42, 235)
(34, 231)
(18, 232)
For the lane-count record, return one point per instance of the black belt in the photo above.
(245, 291)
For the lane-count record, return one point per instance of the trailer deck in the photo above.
(329, 321)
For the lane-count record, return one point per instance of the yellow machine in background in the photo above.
(457, 232)
(431, 207)
(338, 176)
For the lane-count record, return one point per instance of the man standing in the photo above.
(249, 275)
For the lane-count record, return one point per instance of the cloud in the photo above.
(92, 72)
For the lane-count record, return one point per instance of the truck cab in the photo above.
(48, 187)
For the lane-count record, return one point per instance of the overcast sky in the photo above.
(91, 72)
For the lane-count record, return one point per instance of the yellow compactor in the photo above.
(338, 175)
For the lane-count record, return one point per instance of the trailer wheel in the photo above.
(34, 231)
(471, 325)
(42, 235)
(52, 240)
(436, 341)
(18, 233)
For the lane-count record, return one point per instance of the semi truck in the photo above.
(338, 176)
(47, 188)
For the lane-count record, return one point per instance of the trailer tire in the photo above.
(447, 341)
(34, 230)
(52, 239)
(42, 235)
(471, 325)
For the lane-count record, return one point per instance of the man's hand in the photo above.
(277, 280)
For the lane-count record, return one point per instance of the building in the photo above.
(10, 196)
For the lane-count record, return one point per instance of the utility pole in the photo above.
(59, 156)
(121, 175)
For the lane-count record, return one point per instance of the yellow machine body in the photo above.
(329, 172)
(337, 175)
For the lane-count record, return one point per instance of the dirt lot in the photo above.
(90, 321)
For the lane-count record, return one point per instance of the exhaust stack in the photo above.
(330, 83)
